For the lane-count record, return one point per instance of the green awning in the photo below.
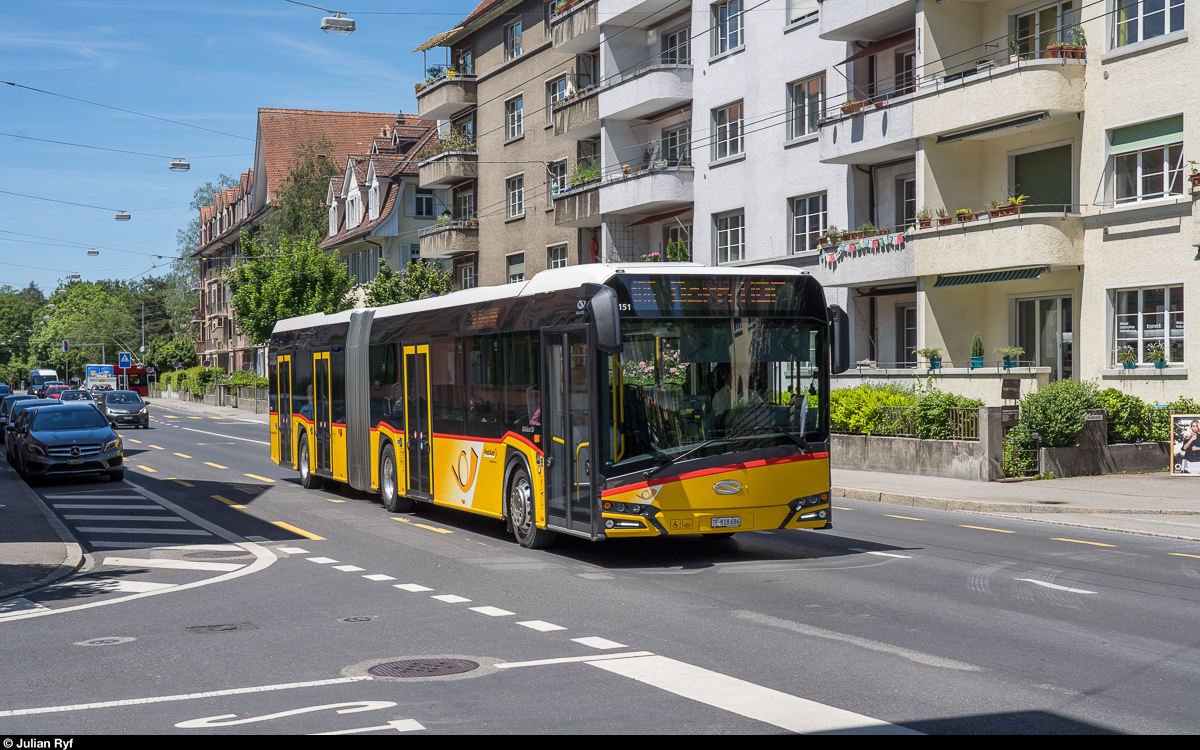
(992, 128)
(1014, 274)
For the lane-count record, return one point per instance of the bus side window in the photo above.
(520, 378)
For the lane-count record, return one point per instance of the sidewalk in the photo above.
(36, 549)
(220, 412)
(1153, 504)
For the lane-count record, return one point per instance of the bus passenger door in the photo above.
(417, 428)
(283, 422)
(322, 410)
(567, 425)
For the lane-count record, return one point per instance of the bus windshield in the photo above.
(707, 386)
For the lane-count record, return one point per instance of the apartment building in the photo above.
(497, 163)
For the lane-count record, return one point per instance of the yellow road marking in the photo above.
(158, 447)
(255, 476)
(301, 532)
(422, 526)
(838, 507)
(330, 499)
(1080, 541)
(219, 466)
(147, 468)
(227, 501)
(139, 442)
(168, 416)
(183, 455)
(906, 518)
(195, 417)
(180, 481)
(1180, 554)
(985, 528)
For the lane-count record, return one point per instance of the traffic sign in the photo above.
(124, 360)
(149, 370)
(208, 363)
(245, 366)
(177, 365)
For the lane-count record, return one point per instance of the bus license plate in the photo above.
(728, 522)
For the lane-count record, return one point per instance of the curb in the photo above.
(983, 506)
(75, 556)
(164, 403)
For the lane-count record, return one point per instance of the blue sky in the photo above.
(210, 64)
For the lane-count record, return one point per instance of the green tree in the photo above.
(20, 310)
(299, 211)
(163, 353)
(294, 278)
(419, 279)
(84, 313)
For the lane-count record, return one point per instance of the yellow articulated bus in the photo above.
(598, 401)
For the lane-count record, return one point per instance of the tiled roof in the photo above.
(480, 9)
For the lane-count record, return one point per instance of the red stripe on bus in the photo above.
(715, 470)
(521, 438)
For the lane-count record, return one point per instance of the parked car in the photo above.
(7, 402)
(18, 413)
(68, 440)
(5, 390)
(76, 394)
(125, 408)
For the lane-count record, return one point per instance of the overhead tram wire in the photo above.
(116, 150)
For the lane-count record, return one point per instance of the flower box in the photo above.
(945, 221)
(924, 223)
(1194, 178)
(1054, 51)
(850, 108)
(965, 217)
(1010, 209)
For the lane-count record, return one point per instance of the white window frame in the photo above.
(1064, 20)
(677, 142)
(467, 278)
(800, 229)
(728, 135)
(512, 40)
(801, 10)
(801, 119)
(558, 256)
(508, 274)
(729, 236)
(728, 29)
(424, 198)
(514, 118)
(556, 180)
(1115, 341)
(1139, 21)
(677, 47)
(556, 91)
(514, 189)
(1171, 173)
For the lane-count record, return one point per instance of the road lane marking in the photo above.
(414, 587)
(1080, 541)
(301, 532)
(450, 598)
(231, 437)
(571, 660)
(744, 698)
(117, 585)
(880, 554)
(838, 507)
(491, 611)
(255, 476)
(330, 499)
(985, 528)
(139, 442)
(597, 642)
(227, 501)
(219, 466)
(422, 525)
(158, 447)
(399, 725)
(158, 562)
(541, 626)
(168, 532)
(1181, 554)
(183, 697)
(180, 481)
(168, 416)
(294, 550)
(228, 720)
(195, 417)
(147, 468)
(906, 518)
(182, 455)
(348, 568)
(379, 577)
(70, 506)
(1055, 586)
(322, 560)
(168, 519)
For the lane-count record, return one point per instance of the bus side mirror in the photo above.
(839, 339)
(606, 320)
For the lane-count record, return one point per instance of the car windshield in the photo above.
(122, 397)
(76, 396)
(68, 419)
(722, 383)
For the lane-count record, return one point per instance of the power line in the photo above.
(105, 148)
(85, 205)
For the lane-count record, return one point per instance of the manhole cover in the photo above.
(216, 553)
(364, 618)
(423, 668)
(104, 641)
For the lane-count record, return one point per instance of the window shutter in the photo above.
(798, 9)
(410, 200)
(1045, 176)
(1148, 134)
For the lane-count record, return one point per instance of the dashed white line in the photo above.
(156, 519)
(880, 554)
(1055, 586)
(168, 532)
(414, 587)
(158, 562)
(541, 626)
(348, 568)
(491, 611)
(450, 598)
(597, 642)
(379, 577)
(293, 550)
(322, 560)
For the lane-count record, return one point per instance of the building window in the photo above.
(423, 207)
(800, 10)
(680, 234)
(676, 144)
(731, 237)
(906, 335)
(1046, 26)
(809, 219)
(556, 180)
(556, 91)
(512, 41)
(556, 257)
(677, 47)
(727, 131)
(516, 196)
(1150, 318)
(516, 268)
(547, 13)
(466, 276)
(906, 202)
(806, 102)
(1146, 161)
(727, 26)
(1044, 332)
(1139, 20)
(515, 123)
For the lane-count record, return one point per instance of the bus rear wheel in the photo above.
(389, 486)
(308, 480)
(522, 512)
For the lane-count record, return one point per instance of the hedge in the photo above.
(860, 410)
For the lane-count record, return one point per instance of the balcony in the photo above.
(646, 91)
(889, 263)
(579, 206)
(446, 97)
(578, 119)
(574, 25)
(991, 102)
(1025, 240)
(882, 130)
(852, 20)
(450, 239)
(449, 168)
(649, 190)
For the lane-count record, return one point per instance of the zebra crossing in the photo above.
(109, 519)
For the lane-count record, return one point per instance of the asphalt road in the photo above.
(926, 621)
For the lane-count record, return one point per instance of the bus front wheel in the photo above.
(522, 512)
(389, 487)
(308, 480)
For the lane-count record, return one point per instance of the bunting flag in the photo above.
(900, 239)
(829, 258)
(874, 244)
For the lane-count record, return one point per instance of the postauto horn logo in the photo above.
(468, 467)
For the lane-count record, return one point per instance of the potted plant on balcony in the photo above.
(943, 218)
(867, 229)
(964, 215)
(1158, 355)
(1054, 51)
(976, 351)
(1014, 49)
(1010, 354)
(924, 218)
(1078, 46)
(851, 106)
(1194, 177)
(1127, 356)
(626, 169)
(934, 355)
(830, 236)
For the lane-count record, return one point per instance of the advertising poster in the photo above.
(1185, 444)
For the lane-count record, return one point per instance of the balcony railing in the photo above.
(448, 239)
(574, 25)
(445, 93)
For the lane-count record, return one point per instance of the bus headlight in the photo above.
(801, 503)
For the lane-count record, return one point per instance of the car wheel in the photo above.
(308, 480)
(522, 512)
(389, 486)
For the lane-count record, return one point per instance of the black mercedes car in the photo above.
(7, 402)
(66, 440)
(125, 408)
(18, 413)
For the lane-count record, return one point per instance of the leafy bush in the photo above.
(857, 410)
(1020, 455)
(1160, 425)
(933, 422)
(1058, 411)
(1129, 418)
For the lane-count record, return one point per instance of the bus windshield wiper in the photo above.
(651, 472)
(799, 441)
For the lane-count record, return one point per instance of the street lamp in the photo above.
(122, 216)
(180, 165)
(337, 24)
